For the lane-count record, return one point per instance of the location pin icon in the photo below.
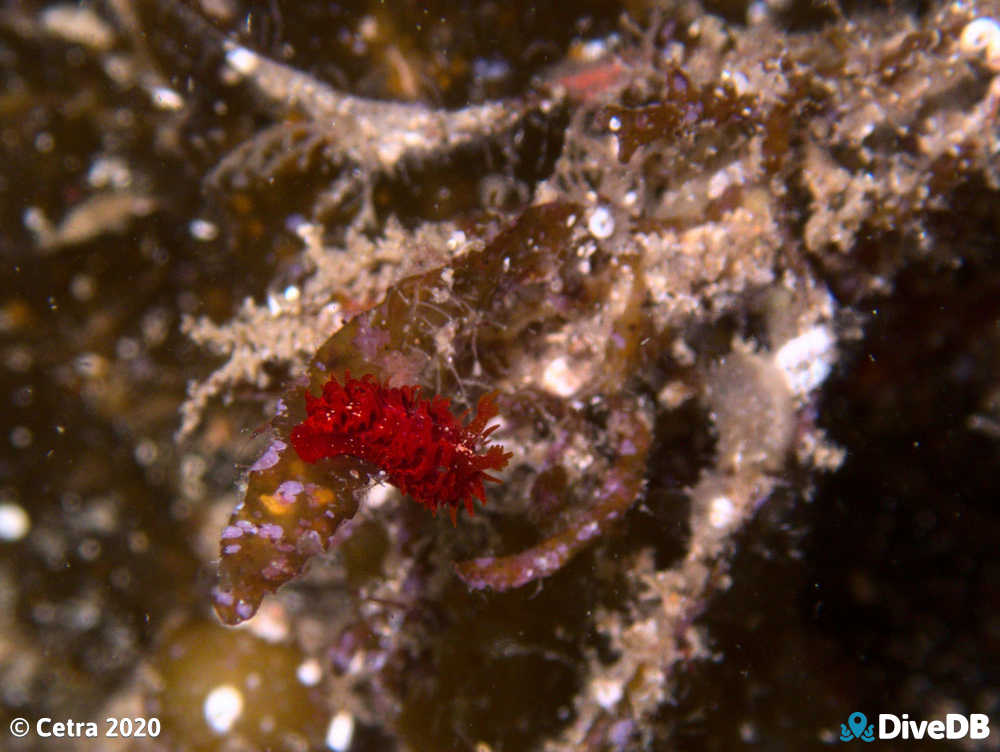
(857, 722)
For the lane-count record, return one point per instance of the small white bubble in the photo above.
(309, 672)
(223, 706)
(601, 224)
(242, 60)
(203, 230)
(614, 124)
(721, 512)
(291, 293)
(340, 732)
(14, 522)
(166, 98)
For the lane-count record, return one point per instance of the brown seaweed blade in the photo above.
(290, 513)
(292, 509)
(621, 487)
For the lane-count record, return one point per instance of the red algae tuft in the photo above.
(421, 446)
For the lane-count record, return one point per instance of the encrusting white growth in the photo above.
(981, 38)
(806, 360)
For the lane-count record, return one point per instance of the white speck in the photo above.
(807, 359)
(614, 125)
(378, 495)
(560, 379)
(14, 522)
(757, 13)
(748, 733)
(291, 293)
(721, 512)
(413, 138)
(607, 692)
(389, 152)
(36, 221)
(368, 28)
(166, 99)
(717, 184)
(242, 60)
(981, 37)
(738, 80)
(223, 706)
(203, 230)
(309, 672)
(110, 172)
(722, 179)
(456, 240)
(340, 732)
(601, 224)
(270, 458)
(273, 304)
(309, 233)
(590, 50)
(78, 25)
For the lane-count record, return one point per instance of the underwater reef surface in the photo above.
(684, 313)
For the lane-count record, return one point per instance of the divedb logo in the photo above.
(890, 726)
